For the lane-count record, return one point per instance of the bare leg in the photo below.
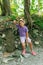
(31, 48)
(23, 48)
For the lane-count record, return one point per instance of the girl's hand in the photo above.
(26, 40)
(14, 21)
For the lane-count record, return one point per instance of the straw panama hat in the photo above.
(22, 20)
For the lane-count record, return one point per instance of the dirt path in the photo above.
(29, 60)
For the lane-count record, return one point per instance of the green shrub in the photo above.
(38, 20)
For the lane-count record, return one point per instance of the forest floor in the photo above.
(15, 58)
(20, 60)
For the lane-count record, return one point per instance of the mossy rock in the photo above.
(9, 43)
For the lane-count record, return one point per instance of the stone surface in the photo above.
(30, 60)
(36, 42)
(35, 31)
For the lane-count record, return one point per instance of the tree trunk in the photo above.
(6, 7)
(27, 13)
(2, 8)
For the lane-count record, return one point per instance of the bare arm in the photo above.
(27, 34)
(17, 24)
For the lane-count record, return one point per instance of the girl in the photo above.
(23, 33)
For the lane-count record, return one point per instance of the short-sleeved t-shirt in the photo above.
(22, 30)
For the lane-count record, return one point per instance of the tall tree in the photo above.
(2, 8)
(27, 13)
(6, 7)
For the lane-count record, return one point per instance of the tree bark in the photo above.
(27, 13)
(2, 8)
(6, 7)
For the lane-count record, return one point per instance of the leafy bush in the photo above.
(38, 20)
(13, 17)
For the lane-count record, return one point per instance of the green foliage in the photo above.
(36, 6)
(13, 17)
(14, 10)
(17, 6)
(18, 11)
(38, 20)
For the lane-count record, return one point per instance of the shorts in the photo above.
(23, 39)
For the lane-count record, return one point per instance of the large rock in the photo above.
(9, 36)
(10, 43)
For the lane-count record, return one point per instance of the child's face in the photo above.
(21, 23)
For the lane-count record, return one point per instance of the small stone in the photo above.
(5, 54)
(21, 58)
(16, 42)
(3, 35)
(16, 46)
(5, 60)
(35, 31)
(36, 42)
(40, 35)
(26, 55)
